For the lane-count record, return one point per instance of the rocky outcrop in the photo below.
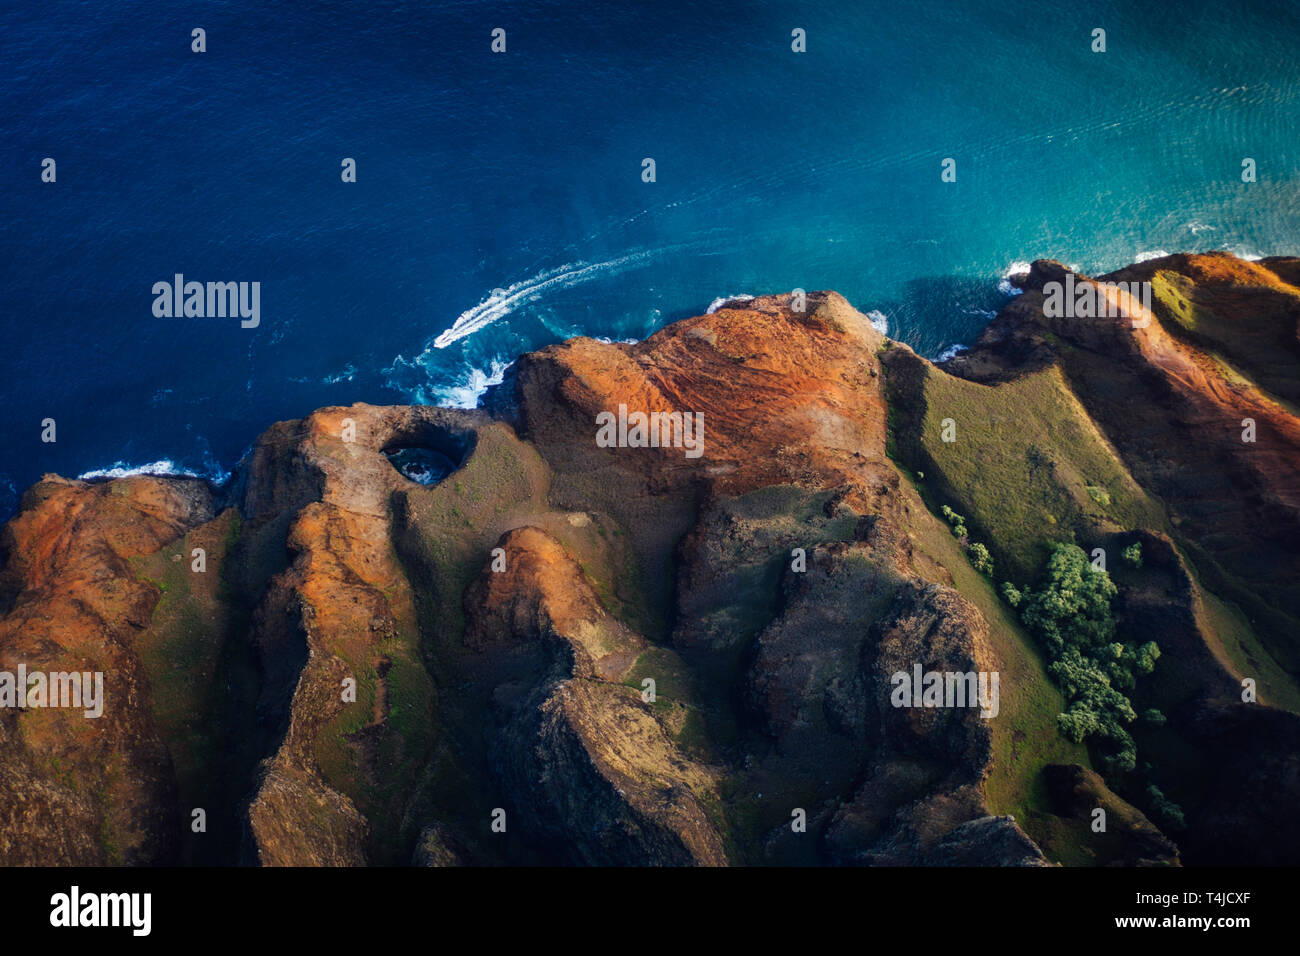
(76, 789)
(590, 769)
(1195, 397)
(542, 649)
(1077, 793)
(343, 762)
(920, 800)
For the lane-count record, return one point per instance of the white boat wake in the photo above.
(504, 301)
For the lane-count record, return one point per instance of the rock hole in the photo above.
(429, 454)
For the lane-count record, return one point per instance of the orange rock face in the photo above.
(784, 395)
(567, 652)
(75, 789)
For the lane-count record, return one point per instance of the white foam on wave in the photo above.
(1152, 254)
(163, 468)
(120, 469)
(1241, 253)
(879, 321)
(502, 302)
(952, 351)
(1017, 268)
(469, 389)
(722, 300)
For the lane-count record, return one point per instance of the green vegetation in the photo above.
(1072, 609)
(957, 521)
(444, 535)
(1232, 639)
(203, 685)
(502, 482)
(182, 651)
(1070, 614)
(978, 555)
(1028, 464)
(1098, 494)
(677, 698)
(980, 559)
(1025, 738)
(1034, 474)
(1170, 813)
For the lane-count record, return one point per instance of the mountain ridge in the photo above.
(499, 625)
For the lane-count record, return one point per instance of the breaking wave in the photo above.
(719, 302)
(1152, 254)
(1018, 268)
(468, 390)
(164, 467)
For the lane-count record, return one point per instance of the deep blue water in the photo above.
(522, 172)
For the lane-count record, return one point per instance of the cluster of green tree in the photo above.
(1070, 615)
(1170, 813)
(976, 553)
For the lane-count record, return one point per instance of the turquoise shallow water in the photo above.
(499, 204)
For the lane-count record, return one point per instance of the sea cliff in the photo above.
(562, 652)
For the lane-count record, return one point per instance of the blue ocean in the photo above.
(500, 204)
